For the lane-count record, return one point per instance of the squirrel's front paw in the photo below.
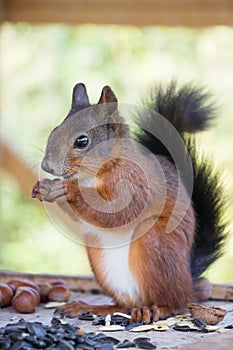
(49, 190)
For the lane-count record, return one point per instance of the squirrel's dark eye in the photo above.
(81, 142)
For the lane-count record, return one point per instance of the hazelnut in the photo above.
(18, 282)
(44, 291)
(25, 300)
(60, 282)
(6, 294)
(59, 292)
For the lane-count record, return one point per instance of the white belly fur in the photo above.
(115, 263)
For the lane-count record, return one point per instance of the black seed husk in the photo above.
(56, 321)
(99, 337)
(145, 344)
(86, 317)
(104, 347)
(125, 344)
(95, 291)
(21, 345)
(199, 323)
(230, 326)
(36, 330)
(25, 335)
(100, 321)
(5, 344)
(138, 339)
(112, 340)
(133, 325)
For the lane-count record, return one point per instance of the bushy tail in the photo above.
(189, 110)
(187, 107)
(209, 204)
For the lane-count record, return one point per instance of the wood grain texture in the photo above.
(84, 283)
(222, 291)
(214, 342)
(130, 12)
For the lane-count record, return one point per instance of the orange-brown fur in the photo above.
(159, 261)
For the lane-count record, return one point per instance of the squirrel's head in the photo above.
(89, 132)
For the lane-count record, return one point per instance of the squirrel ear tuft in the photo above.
(80, 98)
(107, 95)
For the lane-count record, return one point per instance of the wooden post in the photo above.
(130, 12)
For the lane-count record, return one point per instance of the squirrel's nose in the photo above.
(46, 167)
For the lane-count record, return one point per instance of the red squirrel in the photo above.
(122, 184)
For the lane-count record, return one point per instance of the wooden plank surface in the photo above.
(168, 340)
(216, 342)
(222, 291)
(85, 283)
(134, 12)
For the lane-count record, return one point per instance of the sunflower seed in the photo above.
(108, 320)
(112, 340)
(86, 317)
(199, 323)
(53, 304)
(111, 328)
(133, 325)
(210, 328)
(5, 344)
(181, 328)
(230, 326)
(122, 315)
(138, 339)
(144, 344)
(161, 328)
(142, 328)
(126, 344)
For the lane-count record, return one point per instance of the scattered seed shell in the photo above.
(229, 326)
(169, 321)
(160, 323)
(199, 323)
(53, 304)
(111, 328)
(122, 315)
(86, 317)
(186, 323)
(108, 320)
(183, 315)
(132, 325)
(144, 344)
(211, 328)
(182, 328)
(125, 344)
(161, 328)
(142, 328)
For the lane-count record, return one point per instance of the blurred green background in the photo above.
(40, 65)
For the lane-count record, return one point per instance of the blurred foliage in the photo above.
(40, 65)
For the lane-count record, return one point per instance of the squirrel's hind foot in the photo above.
(76, 308)
(144, 314)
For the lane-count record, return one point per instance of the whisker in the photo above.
(37, 148)
(34, 166)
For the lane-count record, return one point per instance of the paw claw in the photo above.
(148, 314)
